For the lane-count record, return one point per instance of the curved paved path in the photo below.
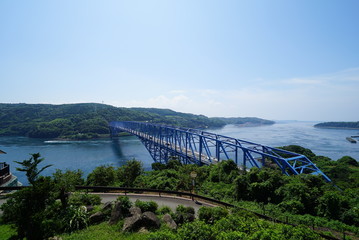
(163, 200)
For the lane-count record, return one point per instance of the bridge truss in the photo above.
(200, 147)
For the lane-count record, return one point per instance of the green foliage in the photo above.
(183, 214)
(29, 208)
(65, 182)
(301, 150)
(292, 206)
(212, 214)
(174, 164)
(102, 176)
(86, 120)
(163, 210)
(30, 167)
(347, 160)
(149, 206)
(125, 204)
(167, 179)
(68, 179)
(298, 196)
(128, 173)
(259, 185)
(7, 231)
(224, 171)
(78, 218)
(84, 199)
(217, 190)
(156, 166)
(29, 221)
(183, 209)
(165, 234)
(332, 205)
(102, 231)
(196, 230)
(235, 235)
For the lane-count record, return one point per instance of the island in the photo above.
(346, 125)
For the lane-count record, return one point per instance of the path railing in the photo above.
(192, 196)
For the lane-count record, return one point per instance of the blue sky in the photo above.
(277, 59)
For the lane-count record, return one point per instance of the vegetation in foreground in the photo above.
(303, 199)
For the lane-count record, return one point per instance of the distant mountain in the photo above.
(246, 121)
(352, 125)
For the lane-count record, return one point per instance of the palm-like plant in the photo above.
(30, 167)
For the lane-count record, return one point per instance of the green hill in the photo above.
(90, 120)
(85, 120)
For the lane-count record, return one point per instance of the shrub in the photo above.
(183, 214)
(163, 210)
(150, 206)
(125, 204)
(183, 209)
(77, 218)
(211, 214)
(84, 199)
(198, 230)
(162, 235)
(231, 235)
(102, 176)
(128, 173)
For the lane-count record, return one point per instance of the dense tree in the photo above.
(128, 173)
(301, 150)
(65, 183)
(348, 161)
(102, 176)
(332, 205)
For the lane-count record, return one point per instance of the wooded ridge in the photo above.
(88, 120)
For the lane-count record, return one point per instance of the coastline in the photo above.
(337, 127)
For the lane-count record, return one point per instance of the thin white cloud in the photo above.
(326, 97)
(303, 81)
(178, 91)
(335, 78)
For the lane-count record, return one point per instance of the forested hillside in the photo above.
(86, 120)
(338, 125)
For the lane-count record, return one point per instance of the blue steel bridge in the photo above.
(204, 148)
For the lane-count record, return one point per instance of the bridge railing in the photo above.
(201, 147)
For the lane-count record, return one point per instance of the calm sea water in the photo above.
(86, 155)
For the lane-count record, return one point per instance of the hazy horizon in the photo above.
(268, 59)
